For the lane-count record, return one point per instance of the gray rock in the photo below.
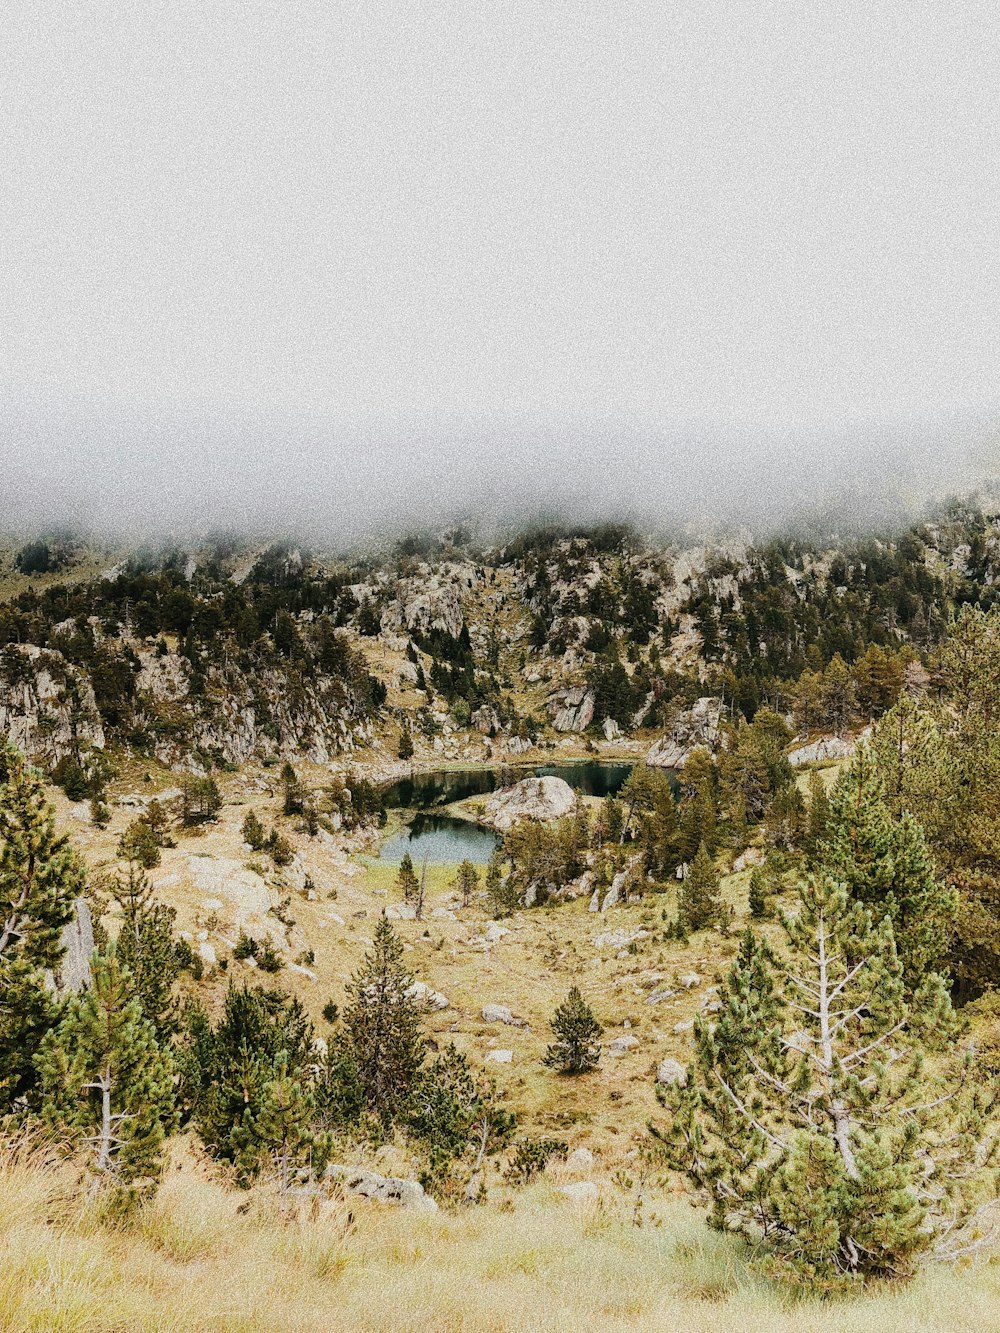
(827, 748)
(532, 798)
(383, 1189)
(695, 726)
(689, 980)
(499, 1057)
(622, 1045)
(572, 709)
(580, 1159)
(498, 1013)
(423, 994)
(669, 1072)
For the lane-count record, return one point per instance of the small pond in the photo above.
(422, 791)
(442, 840)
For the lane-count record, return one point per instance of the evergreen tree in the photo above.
(759, 901)
(106, 1080)
(139, 843)
(467, 882)
(698, 815)
(226, 1071)
(575, 1050)
(39, 879)
(278, 1131)
(407, 878)
(146, 947)
(819, 815)
(699, 904)
(382, 1026)
(254, 834)
(884, 863)
(455, 1115)
(811, 1115)
(501, 889)
(405, 750)
(293, 793)
(201, 800)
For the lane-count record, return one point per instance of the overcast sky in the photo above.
(335, 259)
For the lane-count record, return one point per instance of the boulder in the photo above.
(670, 1072)
(401, 912)
(77, 941)
(532, 798)
(498, 1013)
(423, 994)
(695, 726)
(618, 939)
(485, 720)
(689, 980)
(499, 1057)
(580, 1159)
(572, 709)
(382, 1189)
(622, 1045)
(494, 933)
(611, 729)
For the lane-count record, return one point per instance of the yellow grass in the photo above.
(202, 1257)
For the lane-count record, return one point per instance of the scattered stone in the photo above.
(669, 1072)
(495, 933)
(207, 953)
(622, 1045)
(689, 980)
(685, 1026)
(423, 994)
(658, 996)
(580, 1159)
(498, 1013)
(499, 1057)
(619, 939)
(401, 912)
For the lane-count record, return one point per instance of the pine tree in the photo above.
(811, 1115)
(467, 882)
(455, 1114)
(106, 1080)
(254, 834)
(818, 817)
(382, 1026)
(39, 879)
(501, 889)
(405, 750)
(278, 1132)
(759, 901)
(699, 904)
(884, 862)
(146, 947)
(262, 1035)
(406, 879)
(575, 1050)
(293, 793)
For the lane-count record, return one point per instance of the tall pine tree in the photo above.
(39, 879)
(382, 1026)
(107, 1081)
(811, 1115)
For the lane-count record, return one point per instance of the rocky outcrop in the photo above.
(426, 995)
(77, 942)
(572, 709)
(826, 749)
(695, 726)
(485, 720)
(532, 798)
(429, 600)
(47, 706)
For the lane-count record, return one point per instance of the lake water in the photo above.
(443, 840)
(423, 791)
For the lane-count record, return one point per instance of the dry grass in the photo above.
(202, 1257)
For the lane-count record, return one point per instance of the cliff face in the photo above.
(49, 710)
(47, 707)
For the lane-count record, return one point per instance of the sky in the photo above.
(372, 263)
